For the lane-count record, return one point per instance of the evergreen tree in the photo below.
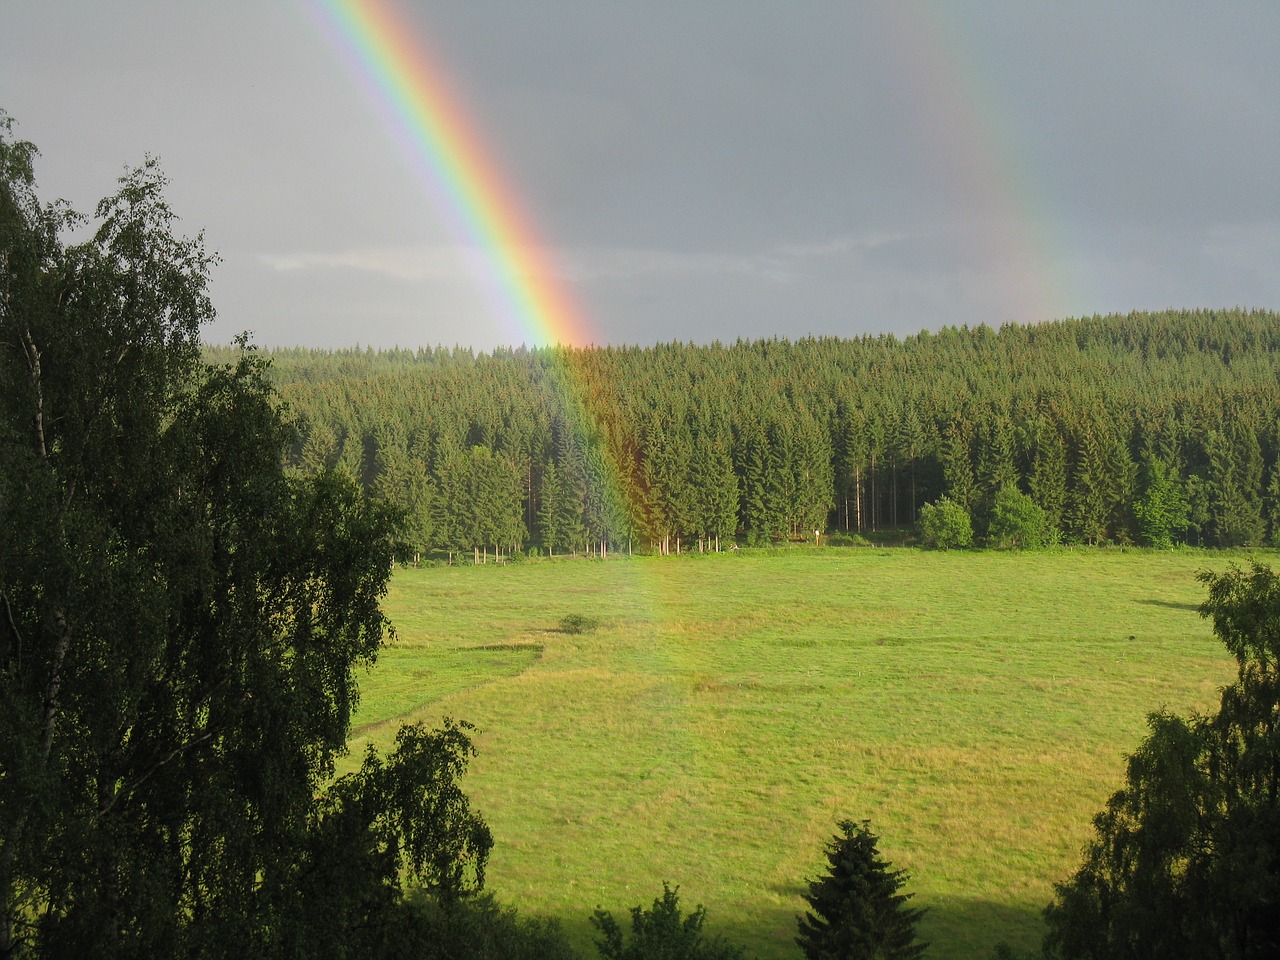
(1092, 494)
(451, 519)
(856, 911)
(550, 508)
(607, 520)
(1235, 486)
(319, 449)
(814, 483)
(1273, 506)
(1048, 476)
(957, 466)
(574, 483)
(996, 469)
(715, 489)
(403, 482)
(754, 469)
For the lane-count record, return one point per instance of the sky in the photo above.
(690, 171)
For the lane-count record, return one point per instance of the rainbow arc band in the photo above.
(390, 56)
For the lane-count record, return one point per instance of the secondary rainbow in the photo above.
(521, 281)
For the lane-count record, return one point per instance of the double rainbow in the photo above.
(972, 143)
(521, 281)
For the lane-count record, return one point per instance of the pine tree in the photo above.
(856, 910)
(1235, 482)
(549, 509)
(1048, 477)
(1273, 506)
(957, 466)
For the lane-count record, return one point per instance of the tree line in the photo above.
(1149, 428)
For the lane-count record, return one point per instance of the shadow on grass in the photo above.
(954, 929)
(972, 928)
(1193, 607)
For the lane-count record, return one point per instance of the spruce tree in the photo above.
(856, 909)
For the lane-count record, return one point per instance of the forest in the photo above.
(1152, 428)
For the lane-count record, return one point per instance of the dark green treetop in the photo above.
(856, 910)
(661, 933)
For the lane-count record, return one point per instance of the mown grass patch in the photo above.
(729, 709)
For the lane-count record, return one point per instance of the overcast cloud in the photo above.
(700, 170)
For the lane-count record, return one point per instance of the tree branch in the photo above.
(33, 370)
(150, 771)
(15, 653)
(55, 685)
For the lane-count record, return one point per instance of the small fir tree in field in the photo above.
(856, 910)
(945, 525)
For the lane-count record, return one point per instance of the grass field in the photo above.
(731, 708)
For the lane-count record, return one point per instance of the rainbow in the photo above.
(521, 280)
(976, 149)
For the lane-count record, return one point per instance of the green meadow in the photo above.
(730, 708)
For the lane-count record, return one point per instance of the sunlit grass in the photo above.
(729, 709)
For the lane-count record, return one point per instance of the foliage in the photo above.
(1161, 510)
(847, 540)
(480, 928)
(1017, 522)
(945, 525)
(856, 911)
(1002, 951)
(575, 623)
(678, 444)
(1186, 859)
(661, 933)
(180, 622)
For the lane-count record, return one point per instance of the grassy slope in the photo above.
(976, 707)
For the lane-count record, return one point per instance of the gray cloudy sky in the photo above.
(697, 170)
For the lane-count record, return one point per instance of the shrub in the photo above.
(661, 932)
(1018, 522)
(847, 540)
(480, 928)
(576, 623)
(945, 525)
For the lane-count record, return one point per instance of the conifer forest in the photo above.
(1151, 428)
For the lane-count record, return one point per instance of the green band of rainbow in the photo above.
(521, 280)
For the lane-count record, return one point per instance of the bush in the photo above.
(576, 623)
(1018, 522)
(480, 928)
(945, 525)
(661, 933)
(847, 540)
